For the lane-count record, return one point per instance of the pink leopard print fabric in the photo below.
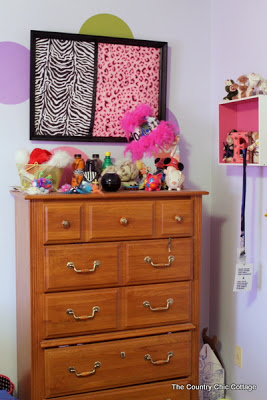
(127, 76)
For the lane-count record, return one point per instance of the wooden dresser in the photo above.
(108, 290)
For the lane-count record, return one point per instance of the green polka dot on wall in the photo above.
(106, 25)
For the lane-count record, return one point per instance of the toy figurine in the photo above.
(143, 171)
(153, 182)
(254, 147)
(228, 147)
(174, 178)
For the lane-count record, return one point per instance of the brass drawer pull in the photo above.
(65, 224)
(83, 317)
(147, 304)
(123, 221)
(83, 271)
(97, 364)
(178, 218)
(159, 362)
(148, 259)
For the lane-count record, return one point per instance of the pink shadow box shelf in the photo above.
(248, 114)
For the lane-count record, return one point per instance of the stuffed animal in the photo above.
(128, 172)
(228, 147)
(231, 89)
(264, 86)
(174, 178)
(153, 182)
(255, 82)
(245, 88)
(254, 147)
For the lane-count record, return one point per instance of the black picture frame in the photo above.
(63, 104)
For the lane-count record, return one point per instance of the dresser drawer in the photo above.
(121, 220)
(64, 222)
(101, 365)
(175, 218)
(158, 261)
(95, 311)
(81, 266)
(149, 391)
(161, 304)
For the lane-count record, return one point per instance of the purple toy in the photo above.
(44, 184)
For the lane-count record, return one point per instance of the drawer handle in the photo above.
(159, 362)
(97, 364)
(147, 304)
(83, 317)
(83, 271)
(65, 224)
(178, 218)
(148, 259)
(123, 221)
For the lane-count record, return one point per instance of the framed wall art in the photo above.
(81, 85)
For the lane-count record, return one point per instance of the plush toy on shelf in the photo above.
(231, 89)
(245, 86)
(255, 147)
(255, 82)
(228, 147)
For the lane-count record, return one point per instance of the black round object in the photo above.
(110, 182)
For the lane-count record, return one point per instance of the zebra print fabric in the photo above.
(65, 75)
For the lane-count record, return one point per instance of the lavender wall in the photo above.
(238, 39)
(185, 25)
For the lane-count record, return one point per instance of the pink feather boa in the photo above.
(132, 119)
(164, 134)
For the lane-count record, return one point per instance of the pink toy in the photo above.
(241, 140)
(153, 182)
(65, 188)
(174, 178)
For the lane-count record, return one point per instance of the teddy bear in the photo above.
(254, 147)
(245, 87)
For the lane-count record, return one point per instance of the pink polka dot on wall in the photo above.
(67, 174)
(14, 73)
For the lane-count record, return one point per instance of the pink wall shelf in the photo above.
(244, 115)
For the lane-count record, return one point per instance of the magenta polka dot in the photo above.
(14, 73)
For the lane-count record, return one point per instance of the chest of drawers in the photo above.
(108, 293)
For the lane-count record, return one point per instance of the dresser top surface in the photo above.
(121, 194)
